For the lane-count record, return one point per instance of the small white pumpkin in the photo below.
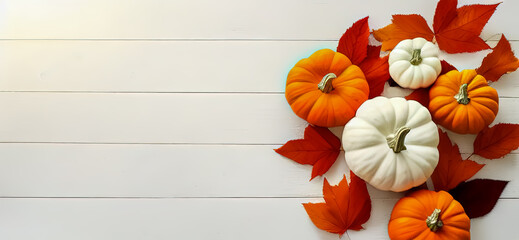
(414, 63)
(391, 143)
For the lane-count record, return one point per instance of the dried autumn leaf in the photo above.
(451, 169)
(403, 27)
(497, 141)
(344, 207)
(456, 30)
(500, 61)
(444, 14)
(446, 67)
(319, 147)
(354, 42)
(479, 196)
(420, 95)
(376, 70)
(460, 28)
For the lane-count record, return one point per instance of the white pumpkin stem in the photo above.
(416, 57)
(433, 221)
(396, 142)
(463, 95)
(326, 83)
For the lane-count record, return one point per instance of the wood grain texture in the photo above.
(165, 118)
(173, 66)
(225, 19)
(157, 119)
(136, 219)
(122, 170)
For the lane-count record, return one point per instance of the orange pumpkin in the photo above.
(463, 102)
(326, 89)
(428, 215)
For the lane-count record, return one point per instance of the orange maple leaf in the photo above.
(456, 30)
(319, 147)
(344, 207)
(497, 141)
(500, 61)
(451, 169)
(403, 27)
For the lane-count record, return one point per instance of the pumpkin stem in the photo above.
(416, 58)
(463, 95)
(433, 221)
(396, 141)
(326, 83)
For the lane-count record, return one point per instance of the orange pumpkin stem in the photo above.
(416, 57)
(463, 95)
(396, 141)
(433, 221)
(326, 83)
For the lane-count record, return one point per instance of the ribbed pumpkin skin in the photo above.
(471, 118)
(408, 219)
(332, 109)
(368, 154)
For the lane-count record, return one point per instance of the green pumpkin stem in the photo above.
(416, 57)
(463, 95)
(326, 83)
(433, 221)
(396, 142)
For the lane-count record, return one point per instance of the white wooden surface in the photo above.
(156, 119)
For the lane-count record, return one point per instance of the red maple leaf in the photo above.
(451, 169)
(420, 95)
(319, 147)
(460, 28)
(456, 30)
(497, 141)
(376, 70)
(446, 67)
(344, 207)
(354, 44)
(500, 61)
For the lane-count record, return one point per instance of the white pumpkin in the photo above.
(414, 63)
(391, 143)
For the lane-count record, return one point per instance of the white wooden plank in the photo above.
(136, 219)
(79, 170)
(226, 19)
(173, 66)
(160, 118)
(119, 170)
(131, 219)
(145, 66)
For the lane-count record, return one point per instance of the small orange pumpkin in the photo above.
(326, 89)
(428, 215)
(463, 102)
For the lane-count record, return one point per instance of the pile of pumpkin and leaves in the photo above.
(395, 144)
